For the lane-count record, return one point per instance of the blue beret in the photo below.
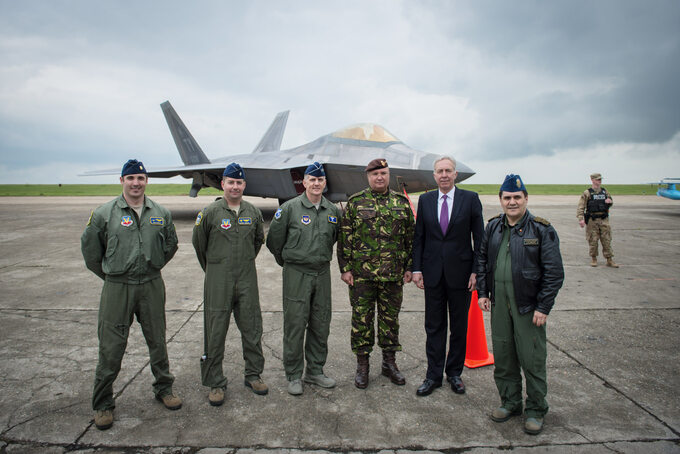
(513, 183)
(315, 170)
(235, 171)
(133, 167)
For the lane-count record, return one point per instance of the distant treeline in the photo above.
(155, 189)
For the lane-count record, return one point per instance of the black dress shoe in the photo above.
(427, 387)
(457, 385)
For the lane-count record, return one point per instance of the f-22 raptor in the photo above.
(272, 172)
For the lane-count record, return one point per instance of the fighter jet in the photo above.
(272, 172)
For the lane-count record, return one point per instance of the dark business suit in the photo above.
(446, 261)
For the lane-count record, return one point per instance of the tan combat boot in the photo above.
(361, 377)
(611, 263)
(170, 401)
(257, 385)
(103, 419)
(216, 397)
(593, 260)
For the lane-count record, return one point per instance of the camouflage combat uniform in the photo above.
(376, 236)
(597, 226)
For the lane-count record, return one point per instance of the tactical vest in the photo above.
(597, 208)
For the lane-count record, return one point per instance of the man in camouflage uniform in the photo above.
(593, 214)
(227, 237)
(301, 238)
(374, 254)
(126, 243)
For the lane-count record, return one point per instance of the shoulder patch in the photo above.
(199, 217)
(399, 194)
(277, 215)
(89, 220)
(541, 220)
(495, 217)
(356, 194)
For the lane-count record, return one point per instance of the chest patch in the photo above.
(156, 221)
(332, 219)
(305, 219)
(531, 241)
(226, 224)
(245, 221)
(126, 221)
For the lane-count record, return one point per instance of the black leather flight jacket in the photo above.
(537, 271)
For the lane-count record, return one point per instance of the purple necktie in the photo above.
(444, 215)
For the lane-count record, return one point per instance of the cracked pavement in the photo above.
(614, 346)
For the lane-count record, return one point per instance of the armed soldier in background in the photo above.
(374, 254)
(593, 214)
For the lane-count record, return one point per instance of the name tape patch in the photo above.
(531, 241)
(245, 221)
(156, 221)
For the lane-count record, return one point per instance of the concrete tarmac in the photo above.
(613, 353)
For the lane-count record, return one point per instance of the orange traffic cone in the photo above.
(476, 353)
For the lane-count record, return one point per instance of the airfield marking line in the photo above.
(36, 266)
(611, 386)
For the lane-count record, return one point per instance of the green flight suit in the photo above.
(128, 252)
(301, 239)
(518, 344)
(226, 245)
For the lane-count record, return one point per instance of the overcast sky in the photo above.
(550, 90)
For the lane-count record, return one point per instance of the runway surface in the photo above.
(613, 354)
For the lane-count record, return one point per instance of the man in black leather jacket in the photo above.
(519, 274)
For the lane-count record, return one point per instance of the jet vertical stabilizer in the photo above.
(187, 146)
(271, 140)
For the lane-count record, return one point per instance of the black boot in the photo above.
(361, 378)
(390, 369)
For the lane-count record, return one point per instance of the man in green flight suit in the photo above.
(519, 275)
(301, 237)
(126, 243)
(374, 255)
(227, 237)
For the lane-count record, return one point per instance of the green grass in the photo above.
(50, 190)
(566, 189)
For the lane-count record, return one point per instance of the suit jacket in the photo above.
(453, 253)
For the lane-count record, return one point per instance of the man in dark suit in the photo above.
(449, 230)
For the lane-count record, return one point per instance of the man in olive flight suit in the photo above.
(227, 237)
(301, 237)
(519, 275)
(126, 243)
(374, 255)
